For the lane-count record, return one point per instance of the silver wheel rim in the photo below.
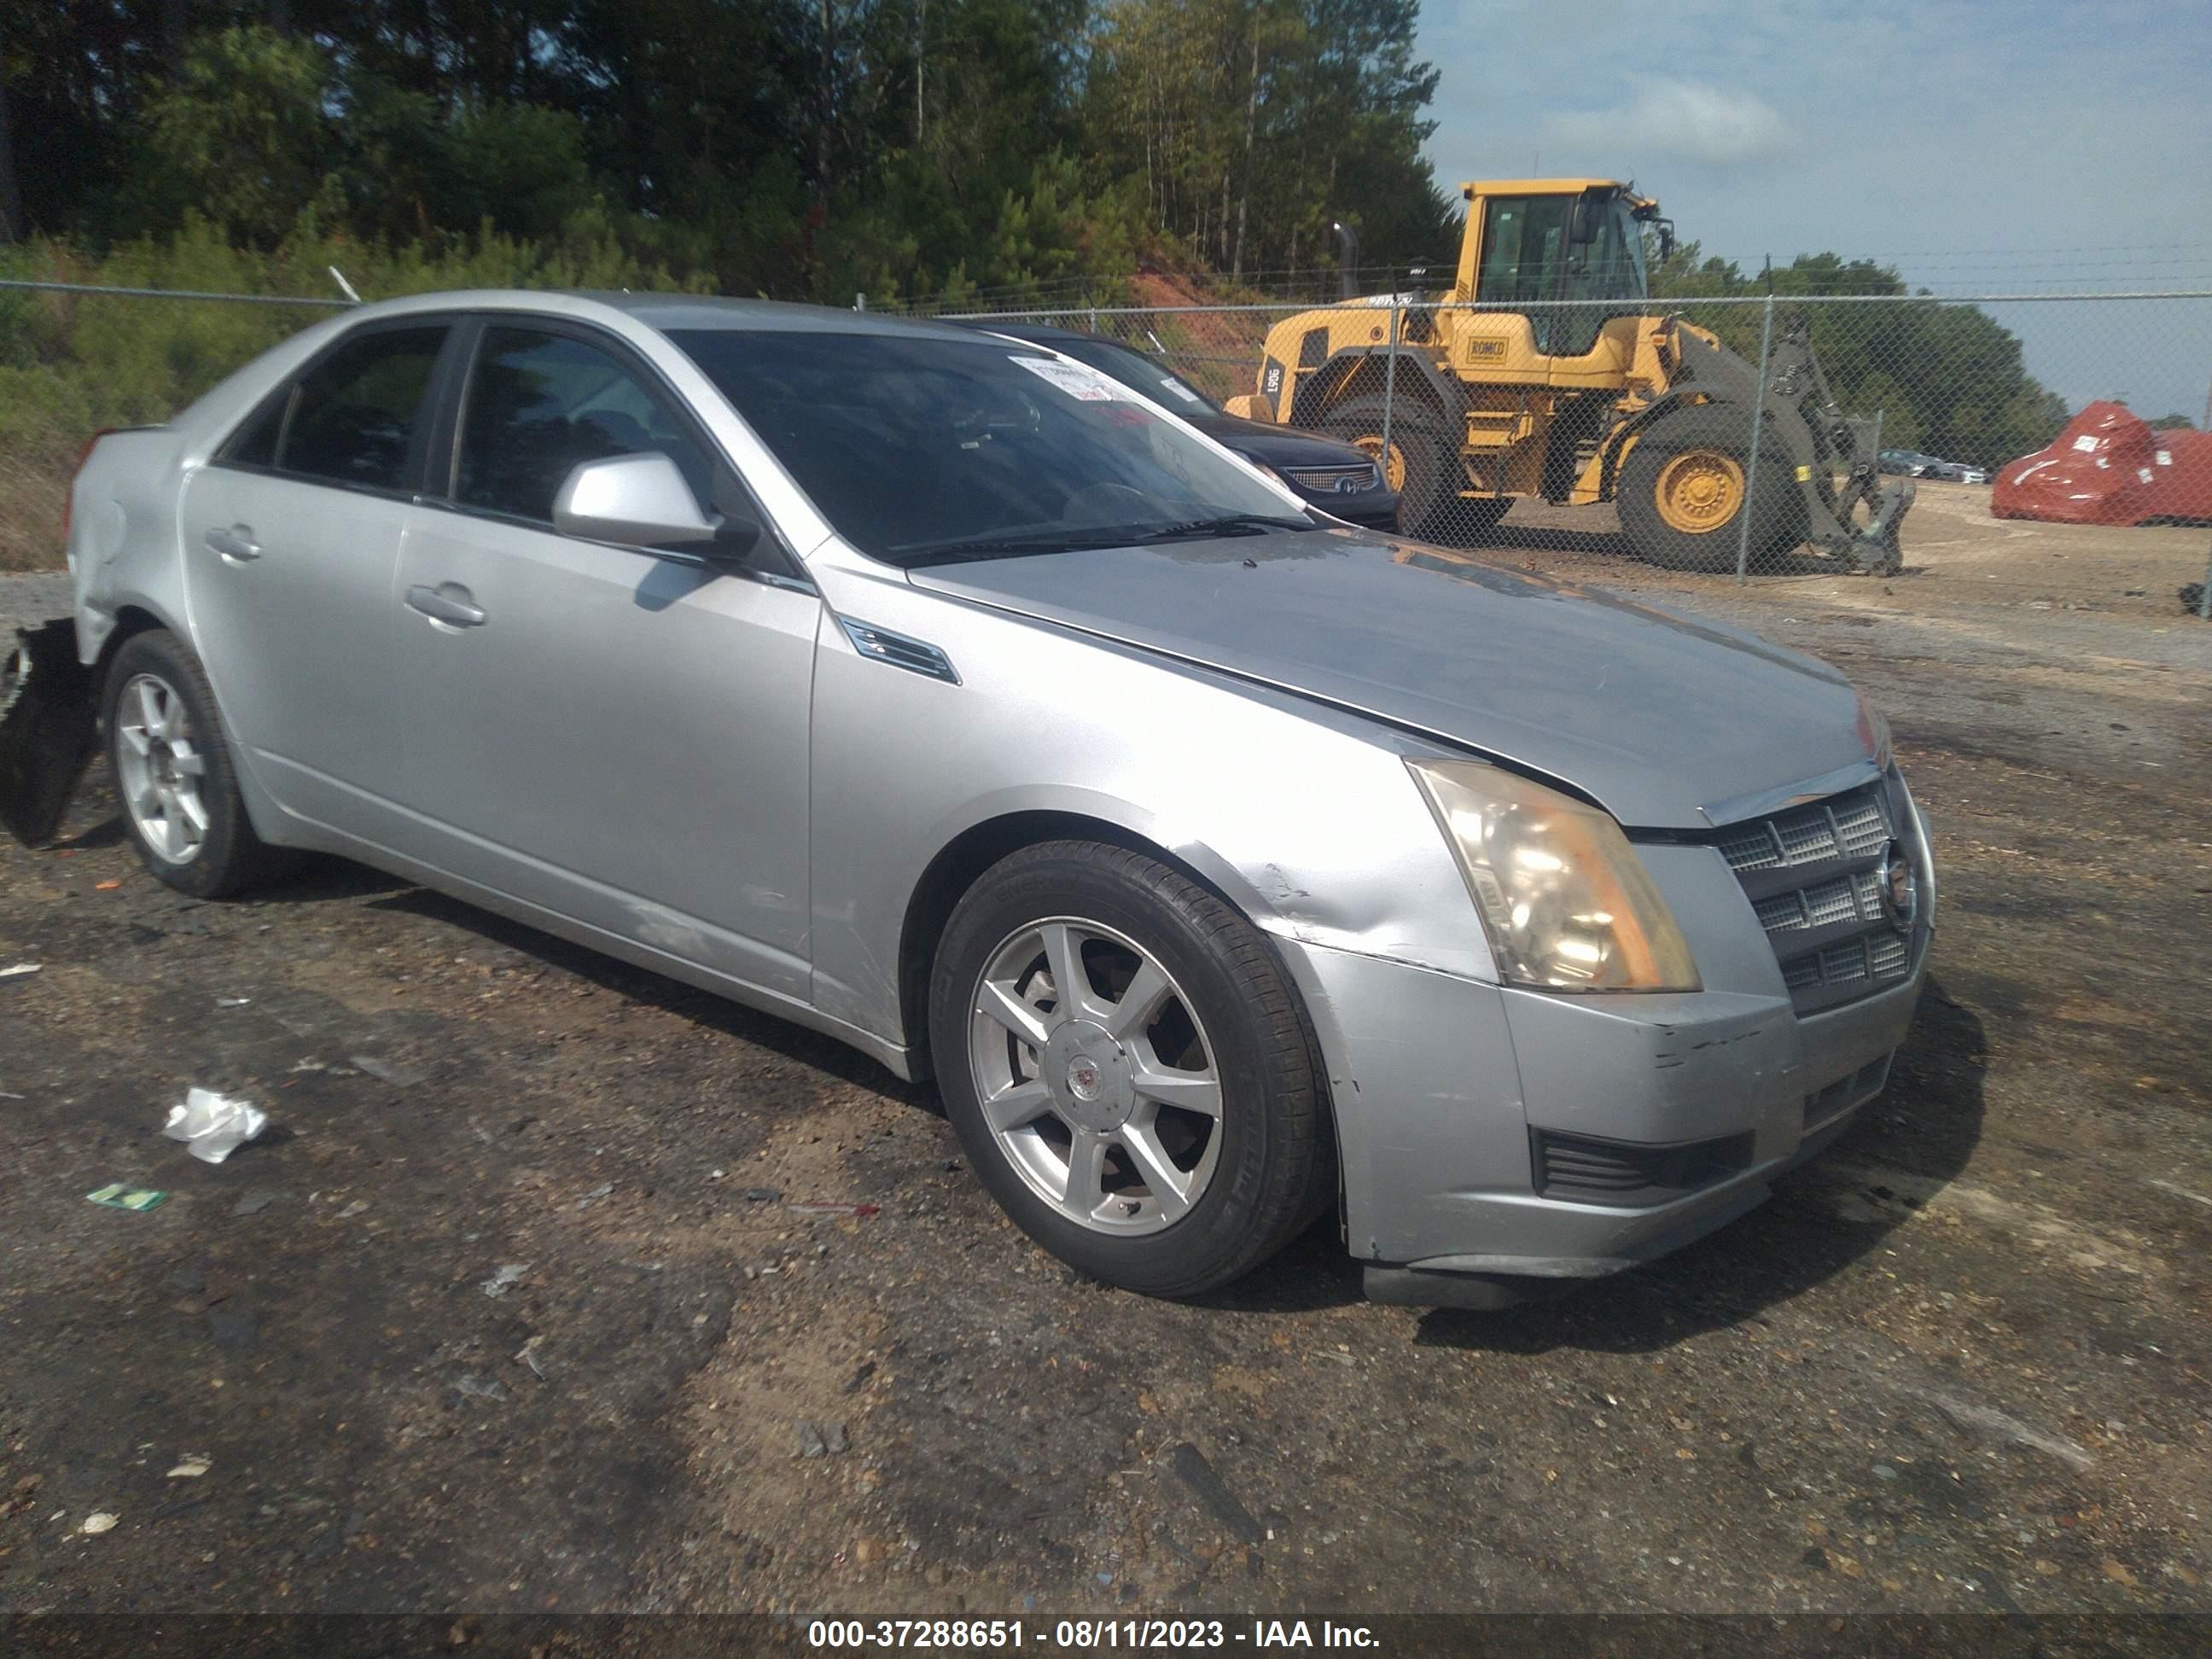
(1094, 1076)
(159, 768)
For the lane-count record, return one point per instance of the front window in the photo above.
(1611, 265)
(919, 449)
(540, 404)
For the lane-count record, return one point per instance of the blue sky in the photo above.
(1978, 145)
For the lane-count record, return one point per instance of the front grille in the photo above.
(1814, 875)
(1629, 1173)
(1330, 478)
(1849, 827)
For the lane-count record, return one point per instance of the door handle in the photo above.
(448, 602)
(235, 544)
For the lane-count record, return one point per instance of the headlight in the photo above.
(1567, 904)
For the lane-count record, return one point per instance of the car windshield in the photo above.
(921, 449)
(1140, 373)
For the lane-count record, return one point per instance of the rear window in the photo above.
(352, 418)
(910, 445)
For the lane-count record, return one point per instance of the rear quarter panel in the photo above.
(123, 546)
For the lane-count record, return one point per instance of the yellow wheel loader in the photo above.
(1544, 372)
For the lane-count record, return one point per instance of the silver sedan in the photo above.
(1227, 866)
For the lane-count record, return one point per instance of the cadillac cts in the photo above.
(1227, 866)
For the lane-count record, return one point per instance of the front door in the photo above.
(291, 544)
(615, 734)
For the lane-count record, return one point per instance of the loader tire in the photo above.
(1420, 466)
(1683, 492)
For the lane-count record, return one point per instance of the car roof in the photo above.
(671, 312)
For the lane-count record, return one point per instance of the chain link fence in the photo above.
(2025, 450)
(1893, 437)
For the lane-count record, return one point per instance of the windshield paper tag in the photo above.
(1180, 389)
(1073, 378)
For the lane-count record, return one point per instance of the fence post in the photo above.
(1390, 391)
(2204, 599)
(1758, 431)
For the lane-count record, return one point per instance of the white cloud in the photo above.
(1688, 119)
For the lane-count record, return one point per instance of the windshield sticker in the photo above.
(1077, 381)
(1180, 389)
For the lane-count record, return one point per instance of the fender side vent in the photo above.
(1631, 1174)
(899, 650)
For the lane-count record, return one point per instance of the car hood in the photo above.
(1663, 719)
(1278, 446)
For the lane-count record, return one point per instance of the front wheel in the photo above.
(1127, 1068)
(1685, 492)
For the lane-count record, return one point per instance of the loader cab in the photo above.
(1531, 245)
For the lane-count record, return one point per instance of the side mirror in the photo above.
(633, 500)
(1583, 222)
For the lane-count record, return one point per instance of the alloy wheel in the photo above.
(1095, 1077)
(159, 768)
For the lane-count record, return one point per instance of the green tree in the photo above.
(244, 137)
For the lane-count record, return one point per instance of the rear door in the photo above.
(291, 543)
(616, 734)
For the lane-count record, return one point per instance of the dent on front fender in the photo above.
(1303, 816)
(1427, 1097)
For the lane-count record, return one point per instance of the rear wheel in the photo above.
(174, 772)
(1684, 490)
(1127, 1068)
(1418, 462)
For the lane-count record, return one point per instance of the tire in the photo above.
(1259, 1171)
(1709, 443)
(212, 853)
(1422, 459)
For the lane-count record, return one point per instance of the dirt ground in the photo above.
(1957, 555)
(510, 1309)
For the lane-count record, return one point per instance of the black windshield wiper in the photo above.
(1227, 524)
(1092, 536)
(1006, 547)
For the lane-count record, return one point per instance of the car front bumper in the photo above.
(1446, 1089)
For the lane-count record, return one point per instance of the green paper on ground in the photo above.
(117, 1196)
